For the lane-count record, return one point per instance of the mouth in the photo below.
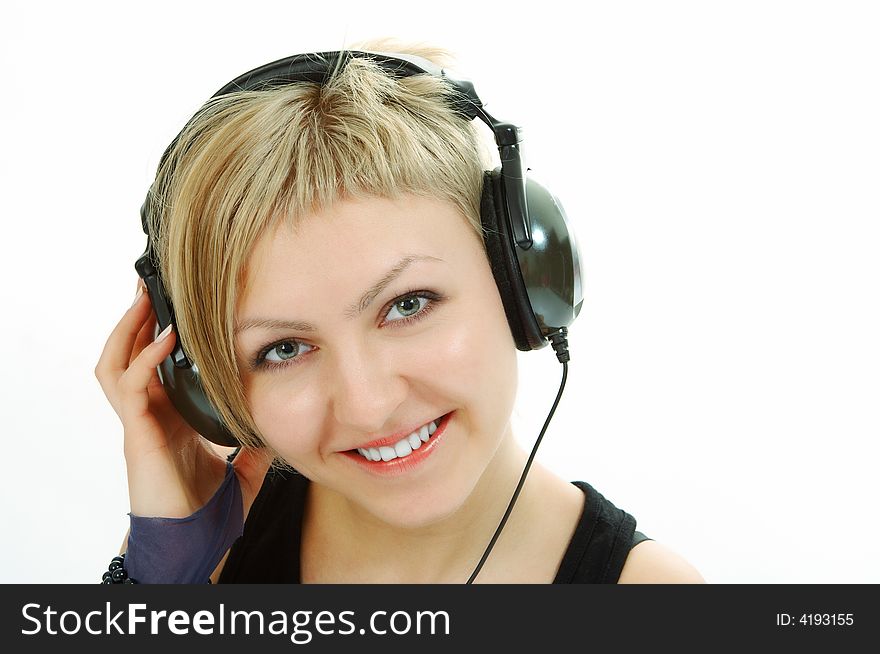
(405, 455)
(403, 447)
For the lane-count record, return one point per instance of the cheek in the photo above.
(474, 361)
(282, 415)
(466, 351)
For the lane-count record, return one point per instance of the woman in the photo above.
(323, 248)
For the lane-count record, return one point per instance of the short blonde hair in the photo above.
(249, 159)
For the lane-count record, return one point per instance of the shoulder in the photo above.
(650, 562)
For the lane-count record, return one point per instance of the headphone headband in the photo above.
(317, 67)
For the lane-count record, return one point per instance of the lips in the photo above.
(409, 464)
(389, 441)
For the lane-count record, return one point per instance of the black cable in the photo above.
(560, 345)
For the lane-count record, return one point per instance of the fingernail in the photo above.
(164, 334)
(137, 296)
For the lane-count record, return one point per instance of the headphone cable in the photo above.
(560, 345)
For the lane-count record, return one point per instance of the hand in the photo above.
(172, 471)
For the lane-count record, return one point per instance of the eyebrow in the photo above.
(351, 312)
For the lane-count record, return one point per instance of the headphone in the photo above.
(532, 252)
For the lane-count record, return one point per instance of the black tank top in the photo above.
(269, 548)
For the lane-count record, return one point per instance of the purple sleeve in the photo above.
(186, 550)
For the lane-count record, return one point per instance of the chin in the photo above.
(416, 514)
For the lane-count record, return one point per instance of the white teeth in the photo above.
(402, 448)
(387, 453)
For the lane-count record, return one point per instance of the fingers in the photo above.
(145, 336)
(115, 356)
(119, 343)
(128, 339)
(134, 381)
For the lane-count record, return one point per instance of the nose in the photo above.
(367, 387)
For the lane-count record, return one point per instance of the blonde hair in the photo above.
(249, 159)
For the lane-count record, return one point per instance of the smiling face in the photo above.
(368, 320)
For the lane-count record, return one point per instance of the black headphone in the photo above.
(532, 252)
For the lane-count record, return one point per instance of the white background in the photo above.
(719, 161)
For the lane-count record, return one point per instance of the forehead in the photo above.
(354, 239)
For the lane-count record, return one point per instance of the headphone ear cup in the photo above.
(505, 266)
(183, 386)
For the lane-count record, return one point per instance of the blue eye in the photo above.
(285, 351)
(411, 307)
